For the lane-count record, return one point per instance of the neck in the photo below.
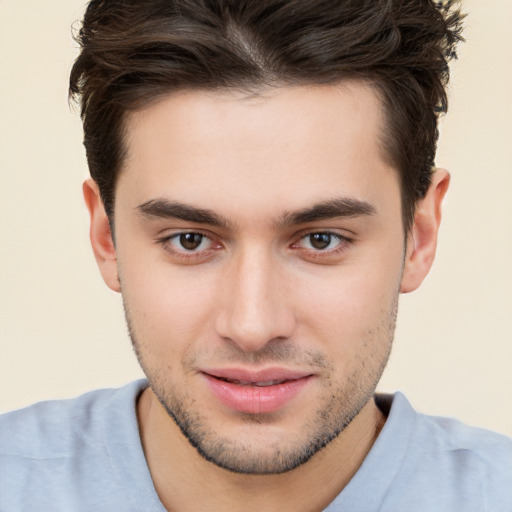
(186, 482)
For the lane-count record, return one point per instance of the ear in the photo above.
(422, 238)
(101, 236)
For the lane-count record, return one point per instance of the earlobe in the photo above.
(101, 236)
(422, 239)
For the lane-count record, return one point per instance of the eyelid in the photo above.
(165, 242)
(215, 244)
(332, 232)
(344, 243)
(168, 233)
(177, 238)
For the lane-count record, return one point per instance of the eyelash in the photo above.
(344, 243)
(166, 242)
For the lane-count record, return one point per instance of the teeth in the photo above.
(268, 383)
(257, 384)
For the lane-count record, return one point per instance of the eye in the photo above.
(190, 241)
(324, 247)
(187, 243)
(321, 241)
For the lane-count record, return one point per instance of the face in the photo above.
(260, 251)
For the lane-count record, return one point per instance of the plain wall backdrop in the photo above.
(62, 332)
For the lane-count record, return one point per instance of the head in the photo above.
(260, 163)
(133, 53)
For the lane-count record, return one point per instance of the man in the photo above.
(262, 189)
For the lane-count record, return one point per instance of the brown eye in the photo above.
(320, 241)
(190, 241)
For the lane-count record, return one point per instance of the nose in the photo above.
(254, 305)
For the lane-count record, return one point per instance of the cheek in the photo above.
(351, 309)
(169, 310)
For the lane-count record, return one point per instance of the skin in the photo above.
(259, 292)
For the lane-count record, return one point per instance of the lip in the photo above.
(253, 392)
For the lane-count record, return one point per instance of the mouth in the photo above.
(258, 392)
(263, 384)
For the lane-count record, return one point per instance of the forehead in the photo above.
(281, 148)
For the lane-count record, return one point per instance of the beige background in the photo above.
(62, 331)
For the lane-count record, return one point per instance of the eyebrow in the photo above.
(166, 209)
(330, 209)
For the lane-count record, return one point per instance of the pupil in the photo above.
(191, 241)
(320, 240)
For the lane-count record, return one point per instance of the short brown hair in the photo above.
(135, 51)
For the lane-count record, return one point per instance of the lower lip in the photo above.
(256, 399)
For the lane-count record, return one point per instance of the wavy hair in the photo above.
(135, 51)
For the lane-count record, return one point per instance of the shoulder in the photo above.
(51, 429)
(62, 451)
(458, 461)
(447, 434)
(462, 442)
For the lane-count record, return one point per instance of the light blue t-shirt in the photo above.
(85, 455)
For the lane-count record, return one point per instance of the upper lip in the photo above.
(262, 375)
